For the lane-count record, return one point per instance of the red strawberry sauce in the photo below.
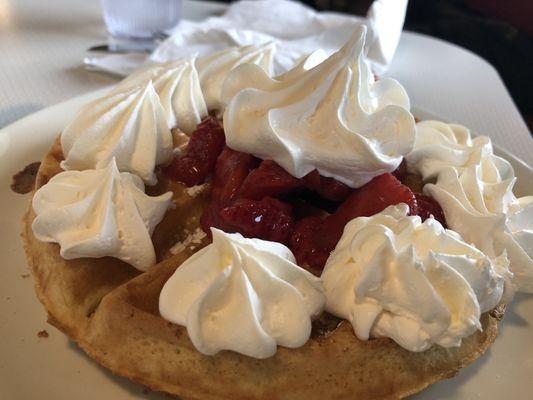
(256, 197)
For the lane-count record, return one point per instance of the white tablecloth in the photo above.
(42, 45)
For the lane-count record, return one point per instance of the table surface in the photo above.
(42, 45)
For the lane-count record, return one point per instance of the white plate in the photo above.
(54, 368)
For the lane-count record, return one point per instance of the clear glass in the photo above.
(140, 19)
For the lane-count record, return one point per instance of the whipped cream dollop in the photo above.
(97, 213)
(214, 69)
(334, 118)
(245, 75)
(245, 295)
(129, 126)
(178, 87)
(417, 283)
(479, 204)
(439, 145)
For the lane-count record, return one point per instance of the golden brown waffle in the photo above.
(111, 311)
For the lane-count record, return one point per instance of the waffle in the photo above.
(111, 311)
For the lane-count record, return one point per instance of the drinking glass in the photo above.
(140, 19)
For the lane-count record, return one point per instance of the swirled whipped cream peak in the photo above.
(97, 213)
(439, 145)
(214, 69)
(334, 118)
(244, 295)
(252, 75)
(479, 204)
(178, 87)
(129, 126)
(417, 283)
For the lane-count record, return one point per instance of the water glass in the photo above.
(140, 19)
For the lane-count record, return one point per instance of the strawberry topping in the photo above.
(427, 207)
(263, 217)
(272, 180)
(232, 169)
(246, 193)
(328, 188)
(268, 180)
(199, 158)
(401, 172)
(301, 242)
(370, 199)
(268, 218)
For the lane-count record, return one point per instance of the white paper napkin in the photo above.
(296, 29)
(115, 64)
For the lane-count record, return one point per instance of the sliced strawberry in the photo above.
(301, 242)
(400, 172)
(267, 219)
(199, 158)
(370, 199)
(313, 240)
(269, 180)
(328, 188)
(231, 170)
(211, 218)
(427, 207)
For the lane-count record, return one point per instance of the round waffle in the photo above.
(111, 310)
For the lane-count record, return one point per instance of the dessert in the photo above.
(213, 69)
(178, 87)
(475, 190)
(393, 276)
(299, 200)
(243, 295)
(97, 213)
(129, 126)
(333, 118)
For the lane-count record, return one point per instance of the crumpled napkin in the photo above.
(296, 29)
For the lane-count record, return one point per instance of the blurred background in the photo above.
(500, 31)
